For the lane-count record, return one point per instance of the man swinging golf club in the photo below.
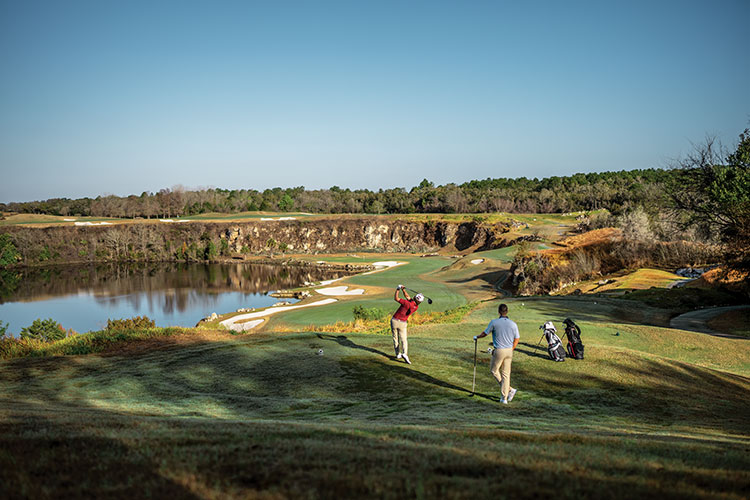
(505, 338)
(398, 322)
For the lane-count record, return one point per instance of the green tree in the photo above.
(713, 190)
(286, 203)
(8, 251)
(47, 330)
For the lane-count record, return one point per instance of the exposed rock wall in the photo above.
(151, 241)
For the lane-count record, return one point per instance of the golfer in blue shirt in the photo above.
(505, 338)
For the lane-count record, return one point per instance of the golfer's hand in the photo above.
(399, 287)
(475, 338)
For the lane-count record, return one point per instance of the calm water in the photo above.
(84, 297)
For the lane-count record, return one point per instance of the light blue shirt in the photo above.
(504, 332)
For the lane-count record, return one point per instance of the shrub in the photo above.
(135, 323)
(8, 251)
(47, 330)
(3, 328)
(370, 313)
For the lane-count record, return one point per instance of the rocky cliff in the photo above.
(147, 241)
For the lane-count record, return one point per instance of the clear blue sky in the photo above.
(125, 96)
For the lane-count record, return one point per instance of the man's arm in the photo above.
(515, 343)
(480, 336)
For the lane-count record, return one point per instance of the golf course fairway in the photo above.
(650, 412)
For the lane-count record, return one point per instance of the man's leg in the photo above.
(402, 339)
(506, 362)
(394, 333)
(499, 364)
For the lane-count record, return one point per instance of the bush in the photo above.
(47, 330)
(3, 328)
(8, 251)
(370, 313)
(135, 323)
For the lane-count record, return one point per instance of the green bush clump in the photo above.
(134, 323)
(8, 251)
(47, 330)
(370, 313)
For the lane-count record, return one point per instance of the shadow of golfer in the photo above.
(537, 350)
(345, 342)
(402, 370)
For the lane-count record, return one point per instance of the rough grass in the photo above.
(732, 322)
(648, 413)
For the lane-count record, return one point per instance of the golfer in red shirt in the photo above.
(399, 319)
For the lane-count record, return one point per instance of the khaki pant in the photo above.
(500, 368)
(398, 329)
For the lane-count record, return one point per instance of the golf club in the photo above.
(474, 380)
(429, 300)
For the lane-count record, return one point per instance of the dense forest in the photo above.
(615, 191)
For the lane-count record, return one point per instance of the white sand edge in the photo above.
(477, 261)
(340, 290)
(228, 323)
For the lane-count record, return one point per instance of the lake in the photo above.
(172, 294)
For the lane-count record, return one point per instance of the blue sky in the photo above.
(123, 97)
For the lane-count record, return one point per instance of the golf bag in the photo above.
(555, 348)
(575, 346)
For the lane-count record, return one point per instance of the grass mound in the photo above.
(649, 412)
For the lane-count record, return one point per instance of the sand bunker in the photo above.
(379, 266)
(243, 327)
(477, 261)
(340, 290)
(234, 324)
(386, 263)
(279, 218)
(92, 223)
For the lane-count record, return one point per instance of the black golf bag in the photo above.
(575, 346)
(555, 348)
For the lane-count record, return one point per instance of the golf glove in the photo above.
(475, 337)
(399, 287)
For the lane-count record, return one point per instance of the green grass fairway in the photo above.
(414, 274)
(651, 412)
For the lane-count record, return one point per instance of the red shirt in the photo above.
(408, 307)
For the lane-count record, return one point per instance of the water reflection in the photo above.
(170, 293)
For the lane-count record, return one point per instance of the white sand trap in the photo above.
(92, 223)
(385, 264)
(228, 323)
(68, 220)
(477, 261)
(280, 218)
(248, 325)
(166, 220)
(328, 282)
(340, 290)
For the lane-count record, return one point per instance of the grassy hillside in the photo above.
(649, 412)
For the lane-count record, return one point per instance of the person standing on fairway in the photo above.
(505, 338)
(398, 322)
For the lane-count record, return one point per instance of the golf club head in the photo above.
(429, 300)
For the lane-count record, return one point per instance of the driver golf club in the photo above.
(429, 300)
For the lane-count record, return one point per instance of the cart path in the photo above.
(697, 321)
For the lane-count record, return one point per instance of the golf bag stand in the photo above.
(575, 345)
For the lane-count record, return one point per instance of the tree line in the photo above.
(615, 191)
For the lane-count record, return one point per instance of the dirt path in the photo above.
(697, 321)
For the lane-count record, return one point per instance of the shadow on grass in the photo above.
(402, 370)
(343, 341)
(537, 351)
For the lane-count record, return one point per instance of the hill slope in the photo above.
(651, 412)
